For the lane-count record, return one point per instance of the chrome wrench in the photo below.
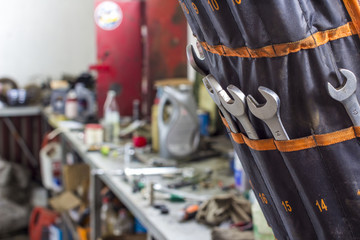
(213, 88)
(346, 95)
(269, 112)
(237, 107)
(197, 63)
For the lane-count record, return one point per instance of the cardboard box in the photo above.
(76, 176)
(64, 202)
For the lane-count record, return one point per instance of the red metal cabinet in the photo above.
(119, 51)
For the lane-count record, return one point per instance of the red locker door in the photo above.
(165, 44)
(119, 51)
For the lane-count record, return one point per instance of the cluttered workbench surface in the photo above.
(158, 192)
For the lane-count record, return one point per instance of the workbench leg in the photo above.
(95, 205)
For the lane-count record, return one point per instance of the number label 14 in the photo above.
(321, 205)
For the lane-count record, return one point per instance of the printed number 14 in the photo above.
(321, 205)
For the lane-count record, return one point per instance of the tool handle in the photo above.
(228, 119)
(352, 107)
(248, 127)
(277, 129)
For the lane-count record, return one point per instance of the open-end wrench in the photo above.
(346, 95)
(213, 88)
(269, 112)
(197, 63)
(237, 107)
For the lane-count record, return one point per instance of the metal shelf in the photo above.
(20, 111)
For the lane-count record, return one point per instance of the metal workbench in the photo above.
(160, 227)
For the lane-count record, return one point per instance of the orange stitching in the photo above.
(284, 49)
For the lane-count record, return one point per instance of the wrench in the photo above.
(346, 95)
(197, 63)
(236, 107)
(213, 88)
(269, 112)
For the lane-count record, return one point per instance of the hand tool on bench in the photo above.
(197, 63)
(213, 88)
(269, 112)
(237, 107)
(346, 95)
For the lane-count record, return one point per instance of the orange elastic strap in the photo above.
(238, 137)
(335, 137)
(357, 131)
(283, 49)
(261, 144)
(296, 144)
(353, 8)
(224, 120)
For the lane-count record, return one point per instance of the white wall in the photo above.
(48, 37)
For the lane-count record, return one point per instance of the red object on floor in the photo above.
(119, 51)
(40, 217)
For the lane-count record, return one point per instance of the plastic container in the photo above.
(179, 133)
(261, 229)
(108, 218)
(93, 134)
(240, 177)
(50, 165)
(124, 223)
(71, 105)
(40, 218)
(111, 118)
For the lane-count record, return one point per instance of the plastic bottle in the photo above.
(240, 177)
(124, 223)
(261, 229)
(111, 117)
(108, 217)
(71, 105)
(179, 134)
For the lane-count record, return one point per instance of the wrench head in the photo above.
(213, 88)
(196, 63)
(346, 89)
(267, 110)
(236, 105)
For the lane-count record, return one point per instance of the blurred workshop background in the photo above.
(106, 132)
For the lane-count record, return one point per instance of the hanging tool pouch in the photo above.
(309, 186)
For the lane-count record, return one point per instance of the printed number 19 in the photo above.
(214, 5)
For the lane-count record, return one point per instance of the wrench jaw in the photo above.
(195, 61)
(235, 105)
(214, 89)
(238, 96)
(346, 89)
(267, 110)
(346, 95)
(209, 84)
